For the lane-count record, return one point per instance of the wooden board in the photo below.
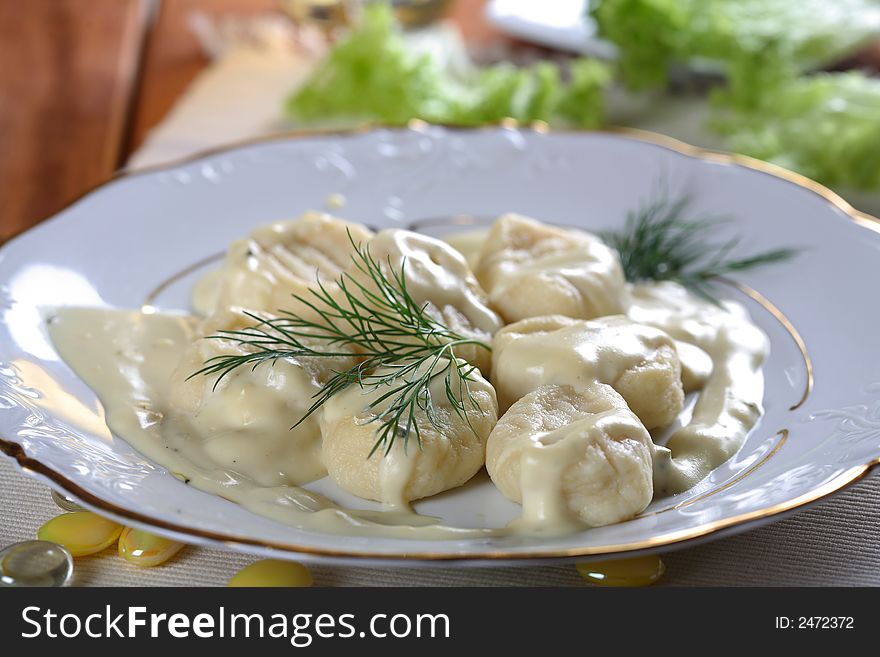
(67, 73)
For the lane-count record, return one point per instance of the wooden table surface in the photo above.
(83, 81)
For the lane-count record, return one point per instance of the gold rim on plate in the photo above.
(679, 537)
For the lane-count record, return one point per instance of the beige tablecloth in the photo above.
(835, 543)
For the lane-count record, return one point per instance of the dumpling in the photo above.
(437, 275)
(531, 269)
(244, 423)
(263, 270)
(638, 361)
(447, 457)
(567, 453)
(696, 365)
(468, 244)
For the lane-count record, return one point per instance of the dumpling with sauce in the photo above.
(567, 453)
(640, 362)
(439, 279)
(531, 269)
(243, 421)
(263, 270)
(449, 453)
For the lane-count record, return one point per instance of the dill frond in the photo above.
(659, 243)
(399, 347)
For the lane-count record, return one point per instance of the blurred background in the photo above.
(89, 87)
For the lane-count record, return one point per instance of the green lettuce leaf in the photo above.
(825, 126)
(756, 43)
(371, 74)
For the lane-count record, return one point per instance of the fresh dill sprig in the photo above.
(400, 349)
(658, 243)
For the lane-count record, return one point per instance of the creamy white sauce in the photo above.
(129, 359)
(729, 404)
(696, 365)
(205, 295)
(468, 244)
(638, 360)
(396, 471)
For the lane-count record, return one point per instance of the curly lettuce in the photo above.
(825, 126)
(371, 74)
(757, 43)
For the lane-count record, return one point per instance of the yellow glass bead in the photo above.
(637, 571)
(65, 503)
(145, 549)
(272, 572)
(35, 563)
(82, 532)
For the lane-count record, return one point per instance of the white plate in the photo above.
(121, 242)
(559, 24)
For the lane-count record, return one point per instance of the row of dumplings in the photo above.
(565, 400)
